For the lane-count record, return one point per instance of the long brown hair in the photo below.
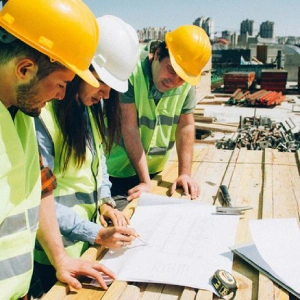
(69, 115)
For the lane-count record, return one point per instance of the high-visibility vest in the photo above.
(78, 188)
(157, 126)
(20, 196)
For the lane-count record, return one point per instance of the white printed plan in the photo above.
(186, 243)
(275, 251)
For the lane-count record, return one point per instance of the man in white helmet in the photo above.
(70, 135)
(36, 63)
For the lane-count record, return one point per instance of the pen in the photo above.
(138, 237)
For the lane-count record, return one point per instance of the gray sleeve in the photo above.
(46, 146)
(73, 227)
(128, 97)
(106, 184)
(190, 102)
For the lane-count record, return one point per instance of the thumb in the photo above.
(172, 188)
(71, 281)
(103, 221)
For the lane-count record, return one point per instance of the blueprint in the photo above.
(186, 243)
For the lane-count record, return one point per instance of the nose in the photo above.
(105, 90)
(177, 81)
(60, 94)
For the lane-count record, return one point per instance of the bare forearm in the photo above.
(48, 234)
(132, 141)
(185, 138)
(136, 153)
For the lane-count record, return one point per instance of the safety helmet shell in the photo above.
(117, 52)
(64, 30)
(190, 49)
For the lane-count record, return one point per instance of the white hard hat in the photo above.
(117, 52)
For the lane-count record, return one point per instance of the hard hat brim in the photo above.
(191, 79)
(113, 82)
(87, 76)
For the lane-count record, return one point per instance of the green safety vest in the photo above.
(76, 188)
(20, 189)
(157, 126)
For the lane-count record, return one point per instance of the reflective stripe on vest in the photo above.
(17, 223)
(76, 188)
(157, 126)
(20, 186)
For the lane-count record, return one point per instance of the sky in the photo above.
(226, 14)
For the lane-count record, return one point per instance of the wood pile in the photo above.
(208, 124)
(273, 80)
(235, 80)
(261, 98)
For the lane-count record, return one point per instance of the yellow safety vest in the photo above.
(76, 188)
(157, 126)
(20, 194)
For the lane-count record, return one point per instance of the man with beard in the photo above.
(43, 44)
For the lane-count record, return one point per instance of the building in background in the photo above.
(267, 30)
(207, 24)
(247, 26)
(152, 33)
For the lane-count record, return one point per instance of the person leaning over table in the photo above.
(37, 60)
(70, 134)
(157, 111)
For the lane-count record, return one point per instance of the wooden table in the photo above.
(266, 180)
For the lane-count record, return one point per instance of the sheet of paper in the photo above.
(275, 250)
(187, 243)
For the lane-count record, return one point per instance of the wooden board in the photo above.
(266, 180)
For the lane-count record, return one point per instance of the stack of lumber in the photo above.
(235, 80)
(261, 98)
(207, 123)
(273, 80)
(264, 98)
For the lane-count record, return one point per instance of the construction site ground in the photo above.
(221, 120)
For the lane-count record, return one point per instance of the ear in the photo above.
(26, 69)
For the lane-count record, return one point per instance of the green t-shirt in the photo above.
(128, 97)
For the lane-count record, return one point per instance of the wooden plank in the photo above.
(152, 291)
(171, 292)
(188, 294)
(204, 295)
(88, 292)
(245, 187)
(58, 292)
(210, 174)
(115, 290)
(215, 127)
(131, 292)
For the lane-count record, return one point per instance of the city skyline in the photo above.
(227, 15)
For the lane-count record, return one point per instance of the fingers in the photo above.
(71, 281)
(103, 221)
(189, 186)
(173, 188)
(118, 219)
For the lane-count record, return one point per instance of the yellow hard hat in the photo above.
(190, 49)
(64, 30)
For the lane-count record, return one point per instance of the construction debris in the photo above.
(260, 133)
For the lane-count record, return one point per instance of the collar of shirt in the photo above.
(154, 93)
